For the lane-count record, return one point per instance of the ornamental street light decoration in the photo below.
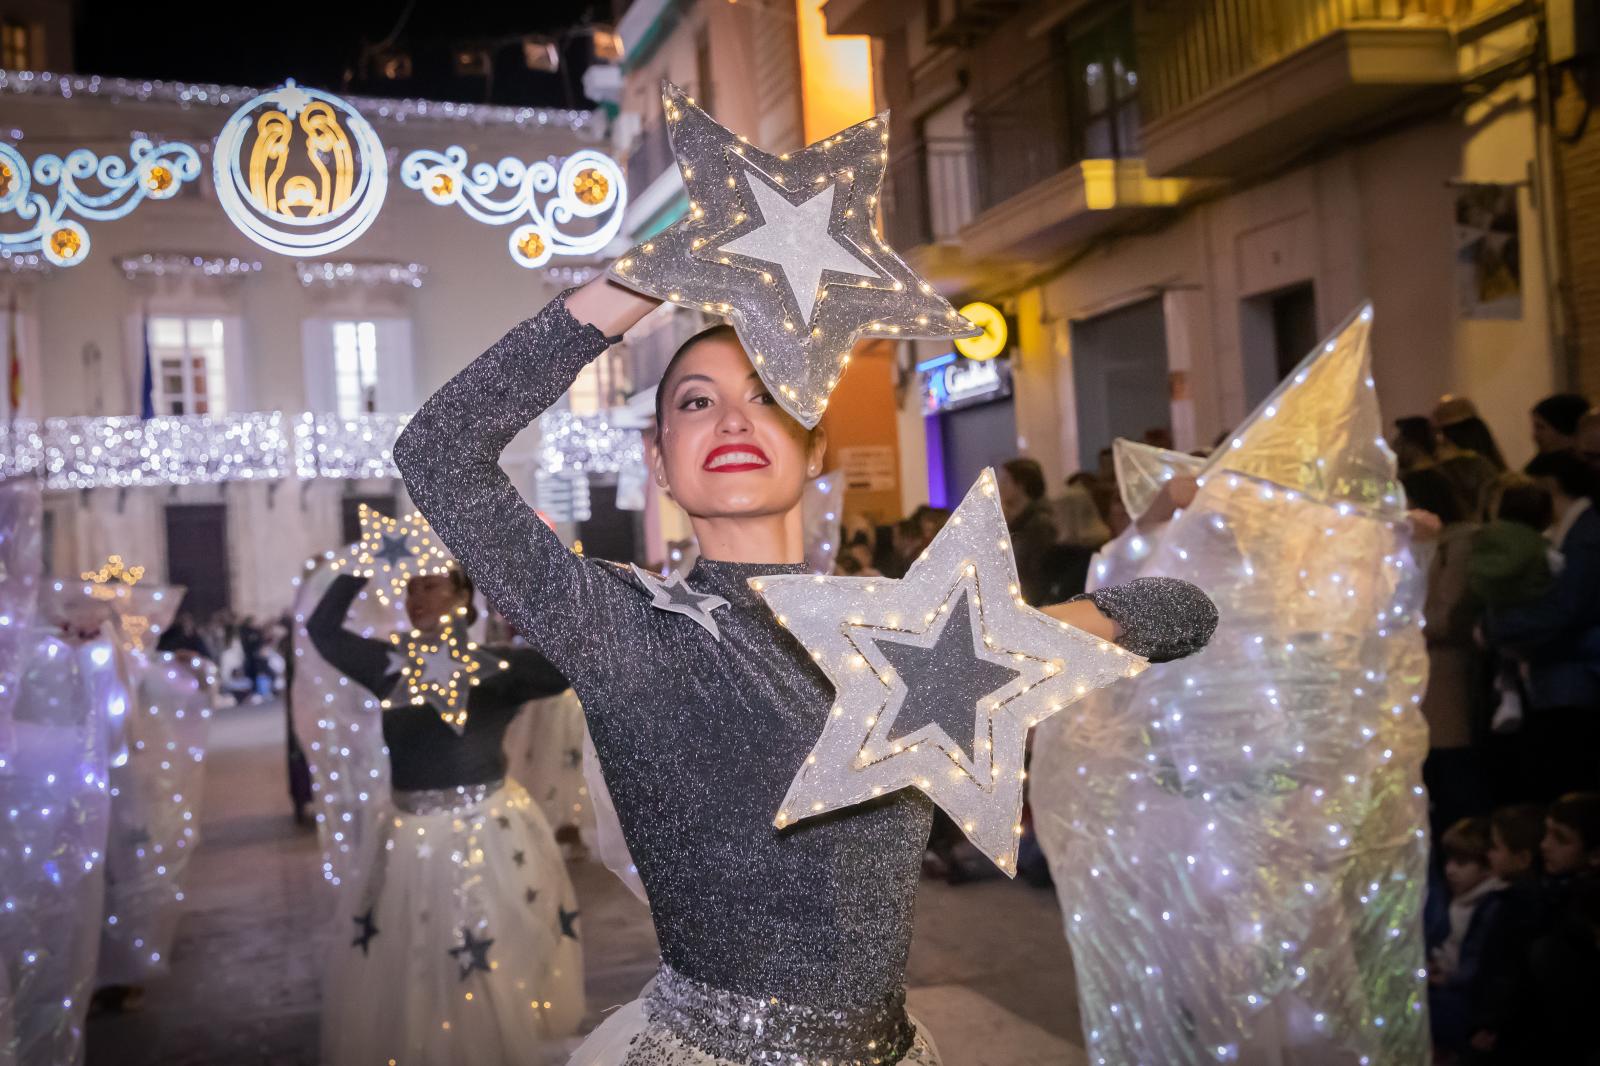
(299, 171)
(150, 172)
(303, 173)
(587, 187)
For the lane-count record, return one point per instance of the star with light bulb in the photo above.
(939, 677)
(787, 248)
(440, 670)
(393, 551)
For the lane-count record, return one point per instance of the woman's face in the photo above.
(726, 448)
(430, 597)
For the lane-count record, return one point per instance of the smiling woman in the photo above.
(734, 459)
(776, 943)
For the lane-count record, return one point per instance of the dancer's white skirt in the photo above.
(412, 994)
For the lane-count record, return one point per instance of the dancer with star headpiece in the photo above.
(457, 929)
(783, 938)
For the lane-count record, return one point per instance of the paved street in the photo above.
(244, 988)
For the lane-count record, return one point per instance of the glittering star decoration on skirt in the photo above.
(787, 248)
(441, 671)
(392, 551)
(674, 594)
(939, 677)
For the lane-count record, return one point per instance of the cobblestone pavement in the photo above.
(989, 976)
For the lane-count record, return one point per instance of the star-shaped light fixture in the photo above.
(939, 677)
(393, 551)
(674, 594)
(787, 247)
(441, 670)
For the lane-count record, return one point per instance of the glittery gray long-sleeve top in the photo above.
(424, 753)
(698, 738)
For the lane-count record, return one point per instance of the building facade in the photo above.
(247, 348)
(1171, 202)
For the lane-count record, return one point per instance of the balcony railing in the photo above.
(1189, 49)
(651, 155)
(1024, 132)
(122, 451)
(931, 192)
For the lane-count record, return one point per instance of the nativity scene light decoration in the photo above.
(939, 678)
(787, 248)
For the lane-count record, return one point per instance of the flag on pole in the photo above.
(13, 363)
(147, 384)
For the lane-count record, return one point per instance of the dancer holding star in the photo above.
(779, 943)
(458, 938)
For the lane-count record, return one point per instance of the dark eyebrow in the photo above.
(691, 377)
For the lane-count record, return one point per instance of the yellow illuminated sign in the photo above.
(994, 338)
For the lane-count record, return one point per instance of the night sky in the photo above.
(204, 42)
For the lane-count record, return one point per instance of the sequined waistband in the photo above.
(443, 800)
(769, 1032)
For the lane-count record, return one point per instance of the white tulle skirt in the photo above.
(629, 1037)
(456, 942)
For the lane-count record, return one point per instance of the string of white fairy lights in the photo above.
(124, 451)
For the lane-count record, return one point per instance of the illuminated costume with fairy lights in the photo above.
(457, 927)
(1239, 843)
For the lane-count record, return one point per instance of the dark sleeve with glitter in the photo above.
(566, 607)
(1161, 618)
(362, 659)
(530, 676)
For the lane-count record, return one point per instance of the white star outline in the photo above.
(876, 745)
(766, 192)
(1059, 665)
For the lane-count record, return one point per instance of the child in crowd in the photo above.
(1564, 959)
(1456, 944)
(1499, 1003)
(1511, 562)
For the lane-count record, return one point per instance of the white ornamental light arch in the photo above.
(540, 198)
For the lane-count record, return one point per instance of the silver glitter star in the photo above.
(787, 248)
(674, 594)
(939, 677)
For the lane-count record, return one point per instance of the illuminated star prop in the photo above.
(393, 551)
(472, 954)
(674, 594)
(442, 671)
(939, 677)
(787, 248)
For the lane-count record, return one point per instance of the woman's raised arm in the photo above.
(449, 456)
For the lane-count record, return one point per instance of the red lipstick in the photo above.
(735, 459)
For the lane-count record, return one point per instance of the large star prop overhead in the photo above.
(787, 248)
(939, 677)
(393, 551)
(441, 670)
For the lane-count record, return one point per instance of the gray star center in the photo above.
(944, 682)
(795, 239)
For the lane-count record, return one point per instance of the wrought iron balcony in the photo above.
(931, 192)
